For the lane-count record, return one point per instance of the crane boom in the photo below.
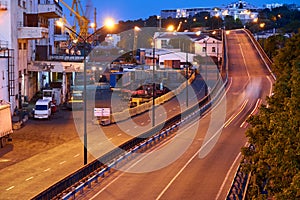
(82, 20)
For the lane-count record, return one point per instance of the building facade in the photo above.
(24, 36)
(239, 10)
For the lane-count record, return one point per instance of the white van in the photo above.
(42, 109)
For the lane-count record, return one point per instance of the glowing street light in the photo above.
(109, 23)
(262, 25)
(171, 28)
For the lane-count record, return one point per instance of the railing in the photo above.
(84, 177)
(240, 183)
(66, 57)
(267, 61)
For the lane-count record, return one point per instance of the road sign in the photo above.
(101, 112)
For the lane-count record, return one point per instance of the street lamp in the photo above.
(108, 23)
(170, 28)
(136, 29)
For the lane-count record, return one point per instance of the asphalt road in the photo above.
(206, 167)
(44, 152)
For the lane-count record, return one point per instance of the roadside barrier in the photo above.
(240, 183)
(101, 167)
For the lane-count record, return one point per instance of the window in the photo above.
(213, 49)
(204, 49)
(24, 46)
(20, 45)
(164, 43)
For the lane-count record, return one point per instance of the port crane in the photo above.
(81, 19)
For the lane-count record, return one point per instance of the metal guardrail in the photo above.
(76, 182)
(240, 183)
(267, 61)
(146, 139)
(91, 172)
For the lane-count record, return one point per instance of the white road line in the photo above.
(227, 175)
(27, 179)
(119, 134)
(271, 84)
(142, 123)
(234, 116)
(180, 171)
(253, 111)
(244, 61)
(127, 130)
(4, 160)
(76, 155)
(109, 138)
(119, 176)
(62, 162)
(111, 182)
(47, 169)
(135, 126)
(11, 187)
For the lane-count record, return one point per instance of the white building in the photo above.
(203, 44)
(272, 5)
(240, 9)
(209, 46)
(24, 36)
(112, 39)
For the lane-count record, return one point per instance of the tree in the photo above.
(273, 44)
(274, 158)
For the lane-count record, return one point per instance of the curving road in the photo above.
(205, 169)
(199, 162)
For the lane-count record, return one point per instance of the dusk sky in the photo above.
(135, 9)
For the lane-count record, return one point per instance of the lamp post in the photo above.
(187, 77)
(153, 86)
(85, 42)
(170, 28)
(136, 29)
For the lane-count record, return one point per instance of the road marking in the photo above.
(142, 123)
(127, 130)
(244, 62)
(10, 188)
(29, 178)
(234, 116)
(135, 126)
(271, 84)
(47, 169)
(131, 166)
(109, 138)
(4, 160)
(119, 134)
(244, 124)
(180, 171)
(227, 175)
(62, 162)
(76, 155)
